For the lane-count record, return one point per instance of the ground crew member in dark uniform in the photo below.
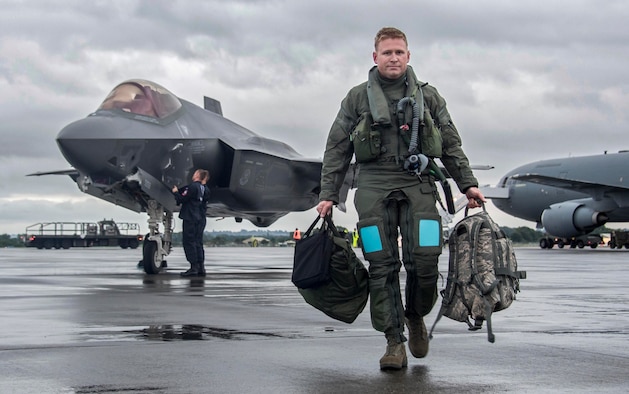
(190, 198)
(205, 197)
(396, 125)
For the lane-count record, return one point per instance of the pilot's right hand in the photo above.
(325, 207)
(475, 197)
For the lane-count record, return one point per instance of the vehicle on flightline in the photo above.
(619, 238)
(581, 241)
(64, 235)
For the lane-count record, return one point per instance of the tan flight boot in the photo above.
(417, 336)
(395, 355)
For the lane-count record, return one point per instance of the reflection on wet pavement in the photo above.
(87, 321)
(195, 332)
(110, 388)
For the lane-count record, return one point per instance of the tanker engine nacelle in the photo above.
(568, 219)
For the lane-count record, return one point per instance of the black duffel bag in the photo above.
(343, 295)
(311, 267)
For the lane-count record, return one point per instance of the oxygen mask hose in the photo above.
(416, 162)
(413, 146)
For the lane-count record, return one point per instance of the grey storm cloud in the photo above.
(524, 81)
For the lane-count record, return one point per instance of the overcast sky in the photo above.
(524, 80)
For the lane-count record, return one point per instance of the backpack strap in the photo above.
(504, 271)
(476, 227)
(474, 234)
(441, 311)
(448, 297)
(488, 311)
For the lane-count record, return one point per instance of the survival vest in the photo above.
(483, 275)
(366, 133)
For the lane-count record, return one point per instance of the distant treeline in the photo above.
(519, 235)
(522, 235)
(7, 241)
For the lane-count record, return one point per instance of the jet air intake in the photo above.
(570, 218)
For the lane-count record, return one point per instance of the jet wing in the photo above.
(71, 172)
(495, 192)
(570, 184)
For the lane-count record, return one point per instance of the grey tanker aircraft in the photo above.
(568, 196)
(143, 139)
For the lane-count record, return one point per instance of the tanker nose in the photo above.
(90, 147)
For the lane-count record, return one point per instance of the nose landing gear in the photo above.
(157, 246)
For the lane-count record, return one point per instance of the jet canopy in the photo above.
(142, 97)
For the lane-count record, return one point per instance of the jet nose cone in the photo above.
(90, 146)
(83, 145)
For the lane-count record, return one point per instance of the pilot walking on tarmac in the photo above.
(191, 199)
(395, 126)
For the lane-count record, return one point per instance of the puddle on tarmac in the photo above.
(175, 332)
(103, 389)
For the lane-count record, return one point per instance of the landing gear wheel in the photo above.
(546, 243)
(157, 246)
(151, 258)
(543, 243)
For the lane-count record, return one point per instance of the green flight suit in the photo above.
(391, 202)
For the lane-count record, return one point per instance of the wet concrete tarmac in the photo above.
(87, 321)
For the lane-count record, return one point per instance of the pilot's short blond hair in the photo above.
(389, 32)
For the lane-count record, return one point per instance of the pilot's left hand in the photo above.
(474, 195)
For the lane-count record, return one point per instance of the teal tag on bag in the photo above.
(429, 234)
(371, 239)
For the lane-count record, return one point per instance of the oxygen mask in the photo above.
(415, 164)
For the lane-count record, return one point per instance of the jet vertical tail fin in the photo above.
(212, 105)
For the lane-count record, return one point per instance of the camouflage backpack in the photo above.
(483, 275)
